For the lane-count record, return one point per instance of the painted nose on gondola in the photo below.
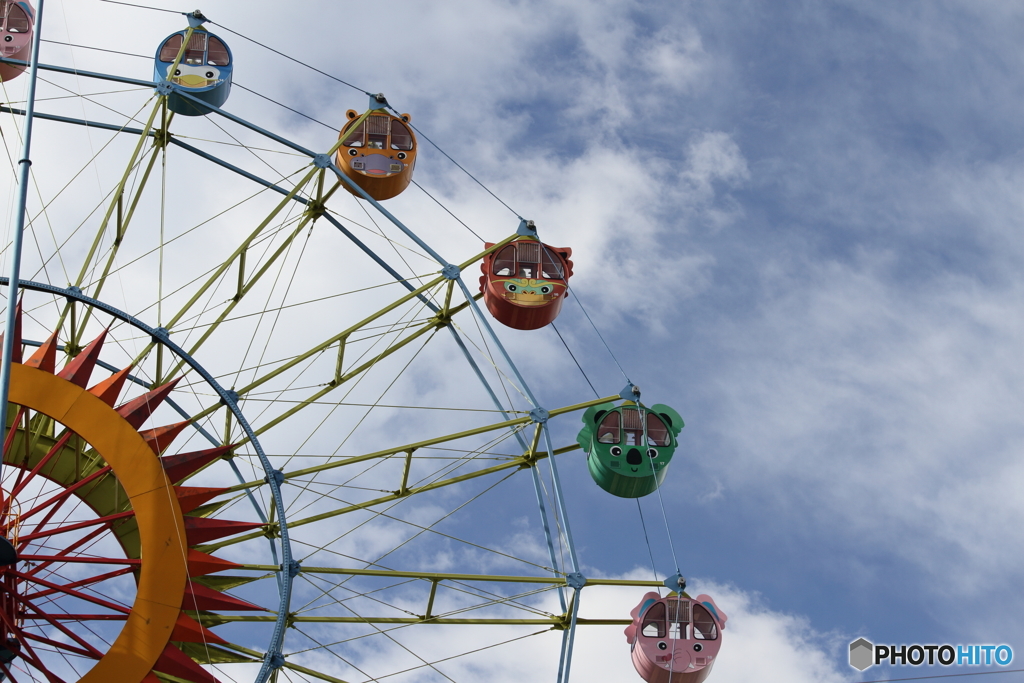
(634, 457)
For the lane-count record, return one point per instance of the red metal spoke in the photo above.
(47, 518)
(23, 540)
(29, 655)
(64, 493)
(83, 582)
(7, 673)
(57, 447)
(9, 441)
(63, 629)
(57, 644)
(93, 560)
(70, 591)
(66, 552)
(77, 617)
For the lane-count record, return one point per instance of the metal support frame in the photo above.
(284, 576)
(24, 166)
(451, 271)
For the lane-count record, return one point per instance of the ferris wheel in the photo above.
(261, 427)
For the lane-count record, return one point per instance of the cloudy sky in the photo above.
(791, 221)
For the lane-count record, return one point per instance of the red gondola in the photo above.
(675, 639)
(525, 282)
(15, 35)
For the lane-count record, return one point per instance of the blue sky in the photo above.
(795, 222)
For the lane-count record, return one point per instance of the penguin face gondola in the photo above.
(204, 71)
(379, 154)
(524, 282)
(15, 35)
(675, 639)
(620, 459)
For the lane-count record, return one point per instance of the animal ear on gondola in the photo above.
(671, 417)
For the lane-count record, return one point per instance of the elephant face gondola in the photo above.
(629, 447)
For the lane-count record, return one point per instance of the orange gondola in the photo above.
(15, 35)
(379, 154)
(525, 282)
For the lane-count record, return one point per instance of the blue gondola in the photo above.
(203, 71)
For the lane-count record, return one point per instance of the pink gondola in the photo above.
(15, 35)
(675, 639)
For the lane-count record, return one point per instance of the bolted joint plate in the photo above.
(322, 161)
(231, 398)
(278, 477)
(631, 392)
(274, 659)
(294, 568)
(164, 88)
(575, 580)
(539, 415)
(676, 583)
(451, 271)
(527, 228)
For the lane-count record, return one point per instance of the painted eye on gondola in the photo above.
(8, 38)
(177, 72)
(652, 453)
(209, 74)
(697, 647)
(545, 289)
(511, 287)
(352, 152)
(663, 645)
(401, 155)
(616, 450)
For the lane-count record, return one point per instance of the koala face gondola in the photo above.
(629, 447)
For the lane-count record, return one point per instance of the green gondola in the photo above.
(629, 446)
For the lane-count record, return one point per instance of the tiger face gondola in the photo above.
(525, 282)
(379, 154)
(629, 447)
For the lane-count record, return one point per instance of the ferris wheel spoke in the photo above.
(9, 440)
(54, 450)
(42, 615)
(106, 521)
(66, 492)
(30, 656)
(57, 645)
(44, 561)
(61, 588)
(83, 582)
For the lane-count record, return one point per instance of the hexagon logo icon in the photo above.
(861, 654)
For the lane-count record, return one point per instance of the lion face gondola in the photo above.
(675, 639)
(15, 35)
(378, 154)
(629, 447)
(204, 71)
(525, 282)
